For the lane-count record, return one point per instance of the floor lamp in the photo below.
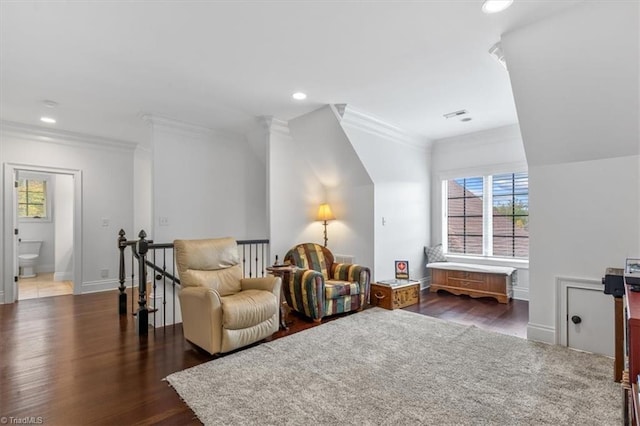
(325, 214)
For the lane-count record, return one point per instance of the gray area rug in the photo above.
(380, 367)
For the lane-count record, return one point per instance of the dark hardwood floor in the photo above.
(72, 360)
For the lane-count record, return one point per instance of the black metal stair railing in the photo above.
(254, 256)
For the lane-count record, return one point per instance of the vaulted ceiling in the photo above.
(222, 64)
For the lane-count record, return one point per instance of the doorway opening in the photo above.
(43, 285)
(43, 241)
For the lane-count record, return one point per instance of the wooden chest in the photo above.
(473, 284)
(394, 294)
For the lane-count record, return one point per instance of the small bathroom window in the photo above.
(33, 198)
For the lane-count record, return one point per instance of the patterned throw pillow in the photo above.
(434, 254)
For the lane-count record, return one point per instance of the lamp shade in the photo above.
(325, 213)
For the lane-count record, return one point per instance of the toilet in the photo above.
(28, 254)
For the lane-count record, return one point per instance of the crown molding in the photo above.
(340, 109)
(173, 124)
(186, 128)
(63, 137)
(275, 125)
(351, 117)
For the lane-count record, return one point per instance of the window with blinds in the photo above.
(464, 214)
(511, 215)
(488, 215)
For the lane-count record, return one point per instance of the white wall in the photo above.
(575, 82)
(364, 169)
(143, 183)
(347, 187)
(63, 223)
(294, 192)
(584, 218)
(107, 172)
(398, 165)
(256, 191)
(488, 152)
(202, 182)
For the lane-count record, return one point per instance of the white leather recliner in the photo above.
(221, 310)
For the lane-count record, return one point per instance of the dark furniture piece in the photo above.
(632, 345)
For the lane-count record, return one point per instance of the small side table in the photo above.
(394, 294)
(281, 271)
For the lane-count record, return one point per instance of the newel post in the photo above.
(122, 297)
(143, 311)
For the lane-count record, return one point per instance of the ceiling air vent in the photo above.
(456, 114)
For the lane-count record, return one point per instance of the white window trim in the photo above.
(487, 210)
(49, 199)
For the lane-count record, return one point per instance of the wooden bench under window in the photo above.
(473, 280)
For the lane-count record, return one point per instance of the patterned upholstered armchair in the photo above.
(320, 287)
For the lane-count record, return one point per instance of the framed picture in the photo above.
(402, 270)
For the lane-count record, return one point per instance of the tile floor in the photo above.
(42, 285)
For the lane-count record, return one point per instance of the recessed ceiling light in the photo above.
(48, 120)
(299, 96)
(494, 6)
(50, 104)
(467, 119)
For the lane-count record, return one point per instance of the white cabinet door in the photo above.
(590, 322)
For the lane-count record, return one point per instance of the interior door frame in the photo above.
(563, 284)
(10, 248)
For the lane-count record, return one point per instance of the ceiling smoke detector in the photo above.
(49, 103)
(455, 114)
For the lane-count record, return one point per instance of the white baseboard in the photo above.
(45, 269)
(541, 333)
(99, 285)
(103, 285)
(521, 293)
(2, 297)
(425, 282)
(63, 276)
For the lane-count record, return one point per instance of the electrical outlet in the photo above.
(104, 273)
(105, 221)
(164, 221)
